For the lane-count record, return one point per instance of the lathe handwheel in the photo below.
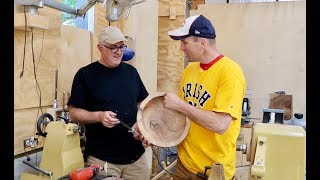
(43, 122)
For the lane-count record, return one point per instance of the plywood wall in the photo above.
(40, 57)
(61, 48)
(142, 27)
(99, 23)
(171, 58)
(269, 41)
(75, 47)
(195, 3)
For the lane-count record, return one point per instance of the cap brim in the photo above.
(178, 34)
(179, 37)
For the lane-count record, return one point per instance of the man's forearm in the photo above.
(83, 116)
(214, 121)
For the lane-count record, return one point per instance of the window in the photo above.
(72, 20)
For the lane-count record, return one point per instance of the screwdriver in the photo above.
(131, 130)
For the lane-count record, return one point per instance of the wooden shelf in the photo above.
(33, 21)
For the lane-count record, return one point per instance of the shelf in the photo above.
(33, 21)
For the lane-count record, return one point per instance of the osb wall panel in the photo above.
(269, 41)
(75, 53)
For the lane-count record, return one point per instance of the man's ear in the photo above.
(99, 47)
(203, 41)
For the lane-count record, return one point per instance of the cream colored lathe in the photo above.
(61, 153)
(276, 151)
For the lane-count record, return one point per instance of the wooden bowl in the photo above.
(159, 125)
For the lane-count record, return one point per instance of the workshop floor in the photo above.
(243, 172)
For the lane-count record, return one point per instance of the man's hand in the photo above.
(172, 101)
(138, 136)
(108, 118)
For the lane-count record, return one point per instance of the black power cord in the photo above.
(25, 41)
(64, 177)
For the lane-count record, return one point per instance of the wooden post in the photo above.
(217, 172)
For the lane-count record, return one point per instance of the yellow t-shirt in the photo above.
(221, 88)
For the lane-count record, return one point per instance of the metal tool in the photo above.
(55, 103)
(48, 173)
(131, 130)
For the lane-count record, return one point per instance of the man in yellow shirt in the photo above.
(211, 91)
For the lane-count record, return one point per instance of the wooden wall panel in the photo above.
(171, 58)
(75, 53)
(269, 41)
(45, 53)
(164, 7)
(195, 4)
(99, 23)
(24, 127)
(142, 27)
(25, 89)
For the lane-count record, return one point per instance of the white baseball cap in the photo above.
(196, 25)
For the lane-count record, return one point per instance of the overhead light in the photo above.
(115, 8)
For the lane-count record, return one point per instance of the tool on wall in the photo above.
(55, 107)
(65, 115)
(55, 103)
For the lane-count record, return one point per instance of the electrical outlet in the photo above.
(26, 143)
(31, 142)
